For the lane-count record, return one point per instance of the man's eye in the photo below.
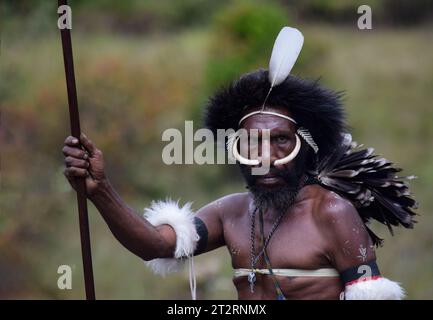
(282, 139)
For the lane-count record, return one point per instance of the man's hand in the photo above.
(83, 161)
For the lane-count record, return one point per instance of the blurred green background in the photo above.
(144, 66)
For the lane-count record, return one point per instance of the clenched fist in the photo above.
(83, 161)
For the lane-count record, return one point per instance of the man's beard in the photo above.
(279, 198)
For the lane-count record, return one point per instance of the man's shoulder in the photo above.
(234, 203)
(234, 199)
(330, 207)
(338, 220)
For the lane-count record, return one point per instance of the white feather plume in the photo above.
(286, 50)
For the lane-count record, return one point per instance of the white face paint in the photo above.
(346, 251)
(235, 251)
(362, 253)
(218, 204)
(332, 205)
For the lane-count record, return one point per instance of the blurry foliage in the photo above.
(132, 16)
(138, 16)
(243, 38)
(394, 12)
(408, 12)
(133, 84)
(337, 10)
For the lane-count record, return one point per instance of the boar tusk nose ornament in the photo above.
(241, 159)
(255, 162)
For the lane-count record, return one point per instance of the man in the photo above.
(296, 234)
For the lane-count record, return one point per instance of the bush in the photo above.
(336, 10)
(408, 12)
(243, 39)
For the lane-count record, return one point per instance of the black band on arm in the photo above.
(203, 234)
(364, 270)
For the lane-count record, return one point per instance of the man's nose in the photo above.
(267, 153)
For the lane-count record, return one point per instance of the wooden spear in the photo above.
(81, 183)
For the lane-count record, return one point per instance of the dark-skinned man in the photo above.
(300, 231)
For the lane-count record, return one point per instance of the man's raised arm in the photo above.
(169, 230)
(133, 232)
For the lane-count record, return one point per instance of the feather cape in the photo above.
(371, 183)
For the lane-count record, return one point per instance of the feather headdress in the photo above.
(285, 52)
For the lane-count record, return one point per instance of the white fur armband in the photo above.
(182, 221)
(374, 289)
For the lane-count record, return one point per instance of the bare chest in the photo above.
(296, 242)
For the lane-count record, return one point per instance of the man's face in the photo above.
(283, 180)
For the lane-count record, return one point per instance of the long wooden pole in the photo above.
(81, 185)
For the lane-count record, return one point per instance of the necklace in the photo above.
(255, 258)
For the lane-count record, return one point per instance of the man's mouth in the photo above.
(269, 179)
